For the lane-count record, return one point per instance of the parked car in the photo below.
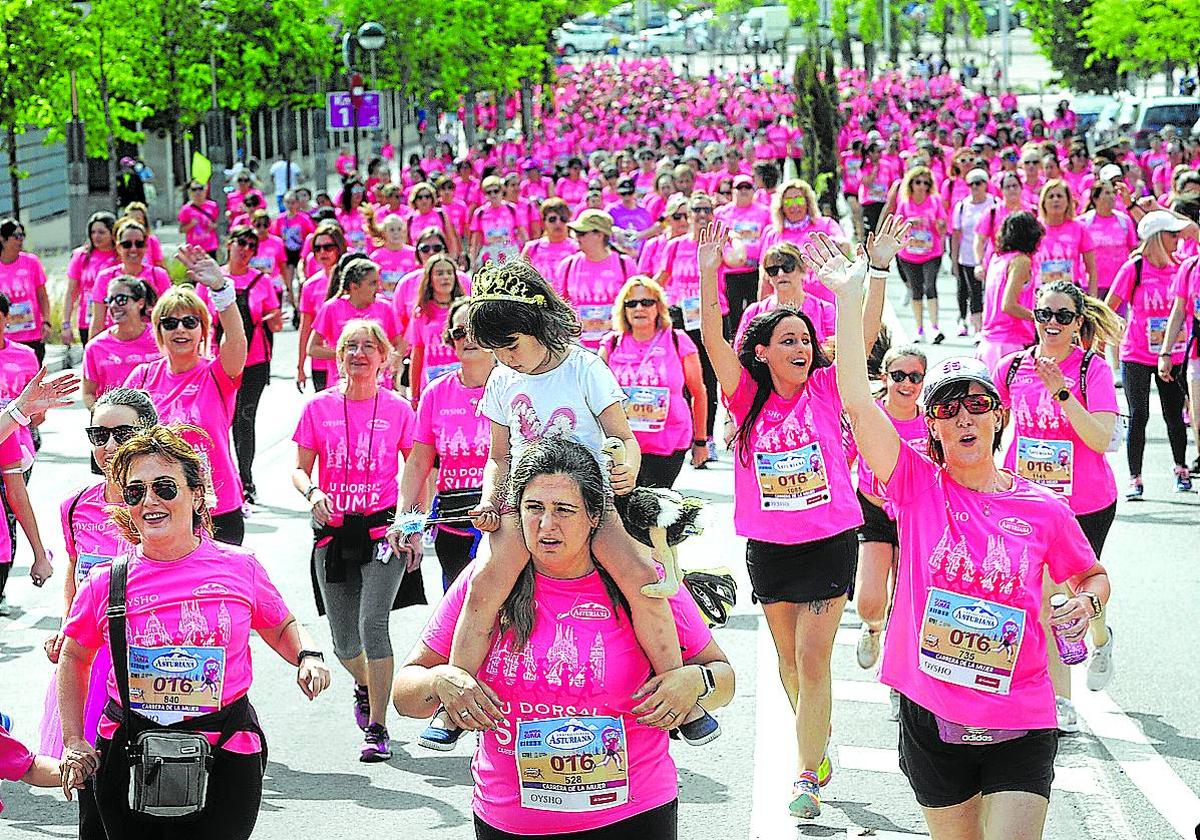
(580, 37)
(1138, 117)
(991, 15)
(1088, 108)
(765, 28)
(675, 37)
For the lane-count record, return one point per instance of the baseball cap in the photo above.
(593, 219)
(1110, 172)
(626, 185)
(743, 179)
(954, 370)
(1158, 221)
(977, 176)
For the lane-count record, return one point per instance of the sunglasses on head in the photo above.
(171, 323)
(120, 298)
(134, 492)
(431, 248)
(1063, 316)
(973, 403)
(786, 265)
(646, 303)
(99, 435)
(133, 243)
(324, 247)
(915, 377)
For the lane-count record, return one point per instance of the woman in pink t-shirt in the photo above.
(193, 601)
(328, 246)
(965, 648)
(1066, 251)
(350, 217)
(431, 355)
(132, 244)
(110, 356)
(564, 670)
(555, 245)
(198, 219)
(1008, 290)
(271, 256)
(189, 386)
(395, 257)
(357, 436)
(86, 262)
(23, 281)
(675, 224)
(453, 436)
(426, 214)
(654, 364)
(784, 272)
(796, 218)
(592, 278)
(139, 212)
(497, 229)
(1113, 233)
(353, 294)
(921, 258)
(988, 229)
(793, 498)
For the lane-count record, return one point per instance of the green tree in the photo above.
(1144, 36)
(816, 113)
(1057, 29)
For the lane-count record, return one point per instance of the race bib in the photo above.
(1050, 463)
(496, 235)
(746, 230)
(920, 241)
(20, 316)
(388, 281)
(264, 264)
(434, 371)
(876, 193)
(86, 562)
(595, 320)
(356, 238)
(691, 312)
(1156, 331)
(170, 684)
(792, 480)
(1052, 270)
(577, 764)
(970, 642)
(647, 407)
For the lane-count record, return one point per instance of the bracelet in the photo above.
(873, 267)
(307, 654)
(700, 442)
(224, 297)
(312, 488)
(17, 415)
(710, 681)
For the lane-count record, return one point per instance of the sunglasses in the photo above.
(724, 192)
(425, 196)
(247, 241)
(915, 377)
(786, 265)
(921, 182)
(431, 249)
(170, 324)
(976, 183)
(134, 493)
(646, 303)
(679, 216)
(324, 247)
(973, 403)
(798, 201)
(134, 243)
(99, 435)
(458, 333)
(196, 189)
(702, 211)
(243, 180)
(553, 218)
(120, 298)
(491, 192)
(1063, 316)
(744, 187)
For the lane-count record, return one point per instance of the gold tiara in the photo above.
(509, 280)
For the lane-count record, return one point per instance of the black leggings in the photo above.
(741, 289)
(234, 796)
(871, 214)
(1095, 526)
(661, 470)
(970, 292)
(1171, 397)
(38, 348)
(661, 823)
(229, 527)
(5, 568)
(921, 278)
(453, 553)
(245, 412)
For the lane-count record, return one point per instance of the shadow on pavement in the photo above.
(37, 814)
(1169, 741)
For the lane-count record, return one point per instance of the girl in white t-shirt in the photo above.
(546, 384)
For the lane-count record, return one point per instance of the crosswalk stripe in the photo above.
(774, 750)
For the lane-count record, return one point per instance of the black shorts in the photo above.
(1096, 525)
(877, 526)
(944, 774)
(293, 256)
(800, 574)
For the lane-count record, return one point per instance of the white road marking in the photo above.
(774, 749)
(860, 691)
(872, 759)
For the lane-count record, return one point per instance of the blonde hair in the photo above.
(416, 188)
(779, 249)
(1056, 184)
(164, 442)
(810, 199)
(178, 301)
(620, 320)
(352, 328)
(916, 172)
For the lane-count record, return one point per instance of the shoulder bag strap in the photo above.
(118, 578)
(1084, 363)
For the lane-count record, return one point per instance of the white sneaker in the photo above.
(893, 705)
(1101, 667)
(868, 648)
(1068, 720)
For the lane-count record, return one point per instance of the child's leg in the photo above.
(629, 564)
(493, 578)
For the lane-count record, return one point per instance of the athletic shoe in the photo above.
(963, 330)
(1183, 480)
(362, 707)
(1068, 720)
(825, 771)
(1101, 667)
(939, 336)
(376, 745)
(893, 705)
(248, 495)
(247, 511)
(700, 731)
(439, 737)
(5, 722)
(806, 797)
(919, 338)
(295, 319)
(1195, 468)
(1135, 491)
(868, 647)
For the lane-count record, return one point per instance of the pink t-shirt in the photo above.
(1149, 308)
(998, 326)
(680, 260)
(203, 396)
(15, 759)
(90, 534)
(1114, 237)
(924, 241)
(83, 269)
(801, 234)
(564, 675)
(333, 315)
(11, 452)
(448, 420)
(157, 277)
(20, 281)
(747, 224)
(198, 611)
(497, 227)
(1060, 254)
(355, 228)
(984, 554)
(312, 298)
(204, 234)
(359, 467)
(270, 258)
(793, 483)
(107, 360)
(263, 300)
(547, 257)
(393, 265)
(1045, 448)
(822, 314)
(1186, 285)
(591, 287)
(425, 331)
(651, 375)
(914, 432)
(573, 191)
(292, 229)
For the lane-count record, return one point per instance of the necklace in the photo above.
(992, 488)
(350, 445)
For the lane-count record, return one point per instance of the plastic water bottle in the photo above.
(5, 722)
(1071, 653)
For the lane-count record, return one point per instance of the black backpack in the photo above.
(242, 300)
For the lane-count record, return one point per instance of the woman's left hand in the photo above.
(1050, 373)
(671, 696)
(1076, 613)
(823, 257)
(889, 240)
(201, 266)
(41, 571)
(313, 677)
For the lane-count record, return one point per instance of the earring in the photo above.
(760, 360)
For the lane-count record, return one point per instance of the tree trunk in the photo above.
(869, 59)
(501, 101)
(944, 35)
(110, 141)
(469, 127)
(847, 49)
(14, 173)
(527, 110)
(894, 52)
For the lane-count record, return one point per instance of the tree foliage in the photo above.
(1141, 35)
(1058, 28)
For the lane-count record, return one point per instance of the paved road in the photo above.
(1133, 773)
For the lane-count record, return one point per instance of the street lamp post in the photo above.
(370, 37)
(77, 180)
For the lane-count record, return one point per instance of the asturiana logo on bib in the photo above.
(1017, 526)
(789, 464)
(976, 616)
(588, 611)
(175, 662)
(1041, 451)
(570, 738)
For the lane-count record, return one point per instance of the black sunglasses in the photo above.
(247, 242)
(170, 323)
(458, 333)
(973, 403)
(492, 191)
(120, 298)
(679, 216)
(921, 182)
(702, 211)
(196, 188)
(643, 302)
(786, 264)
(134, 492)
(915, 377)
(243, 180)
(554, 218)
(99, 435)
(433, 248)
(744, 187)
(324, 246)
(1063, 316)
(133, 243)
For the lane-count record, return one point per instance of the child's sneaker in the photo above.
(438, 735)
(700, 731)
(806, 797)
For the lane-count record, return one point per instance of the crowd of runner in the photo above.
(483, 333)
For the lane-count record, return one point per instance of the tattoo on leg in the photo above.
(817, 607)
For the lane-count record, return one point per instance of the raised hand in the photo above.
(40, 395)
(823, 257)
(887, 241)
(201, 266)
(712, 238)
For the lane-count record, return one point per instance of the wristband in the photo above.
(306, 654)
(308, 493)
(876, 268)
(710, 681)
(224, 297)
(700, 442)
(17, 415)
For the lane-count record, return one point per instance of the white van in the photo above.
(765, 28)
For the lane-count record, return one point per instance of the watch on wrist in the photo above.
(710, 681)
(308, 493)
(699, 442)
(306, 654)
(1097, 606)
(1062, 395)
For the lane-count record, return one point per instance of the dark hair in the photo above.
(9, 226)
(164, 442)
(759, 332)
(1098, 319)
(351, 267)
(334, 231)
(553, 455)
(1187, 205)
(135, 398)
(1021, 231)
(4, 304)
(455, 305)
(102, 217)
(238, 231)
(768, 173)
(348, 186)
(323, 214)
(552, 323)
(431, 231)
(952, 391)
(139, 289)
